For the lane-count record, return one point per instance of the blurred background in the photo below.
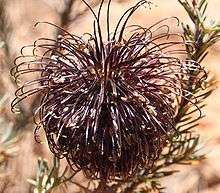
(19, 154)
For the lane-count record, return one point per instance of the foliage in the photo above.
(48, 178)
(203, 35)
(8, 139)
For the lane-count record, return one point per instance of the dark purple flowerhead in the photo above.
(108, 106)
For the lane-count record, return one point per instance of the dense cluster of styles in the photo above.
(108, 106)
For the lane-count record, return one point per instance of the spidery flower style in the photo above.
(108, 106)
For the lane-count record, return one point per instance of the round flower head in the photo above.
(108, 106)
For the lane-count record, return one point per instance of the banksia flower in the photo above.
(109, 106)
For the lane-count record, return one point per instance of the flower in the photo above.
(109, 106)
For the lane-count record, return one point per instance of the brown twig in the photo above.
(65, 15)
(82, 13)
